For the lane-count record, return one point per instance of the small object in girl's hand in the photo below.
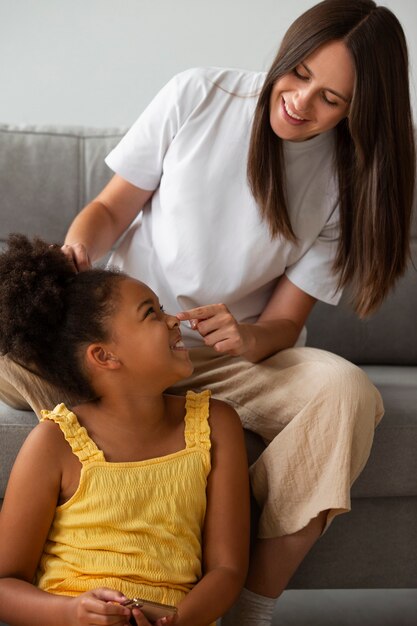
(151, 610)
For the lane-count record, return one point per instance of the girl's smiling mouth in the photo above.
(178, 345)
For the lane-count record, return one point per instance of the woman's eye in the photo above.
(330, 102)
(298, 74)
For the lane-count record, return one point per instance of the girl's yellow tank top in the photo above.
(137, 526)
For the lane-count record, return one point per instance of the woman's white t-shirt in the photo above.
(200, 240)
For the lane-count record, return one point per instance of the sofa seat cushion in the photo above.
(392, 467)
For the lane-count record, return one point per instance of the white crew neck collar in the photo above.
(310, 144)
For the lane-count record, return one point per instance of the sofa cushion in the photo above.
(389, 337)
(47, 174)
(392, 466)
(367, 549)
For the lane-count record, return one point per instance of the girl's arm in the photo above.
(28, 509)
(277, 328)
(226, 532)
(99, 225)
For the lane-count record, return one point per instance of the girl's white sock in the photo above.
(250, 609)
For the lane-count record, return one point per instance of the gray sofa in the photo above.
(47, 175)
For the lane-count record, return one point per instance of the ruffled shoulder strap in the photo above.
(76, 435)
(197, 428)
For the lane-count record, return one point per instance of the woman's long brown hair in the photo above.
(375, 152)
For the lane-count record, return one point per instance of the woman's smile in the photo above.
(293, 118)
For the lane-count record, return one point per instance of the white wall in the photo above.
(98, 62)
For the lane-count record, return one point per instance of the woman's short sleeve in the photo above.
(139, 156)
(313, 272)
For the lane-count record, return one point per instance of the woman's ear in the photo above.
(99, 356)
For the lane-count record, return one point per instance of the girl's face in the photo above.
(315, 96)
(146, 340)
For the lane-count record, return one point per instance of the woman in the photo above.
(264, 194)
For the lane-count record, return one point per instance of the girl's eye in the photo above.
(153, 310)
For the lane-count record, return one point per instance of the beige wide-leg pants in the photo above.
(316, 411)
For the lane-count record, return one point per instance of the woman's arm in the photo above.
(29, 506)
(226, 532)
(99, 225)
(277, 328)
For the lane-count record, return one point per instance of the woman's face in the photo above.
(315, 96)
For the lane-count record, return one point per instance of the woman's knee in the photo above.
(9, 384)
(337, 381)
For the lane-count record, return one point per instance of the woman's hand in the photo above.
(78, 255)
(219, 329)
(99, 607)
(277, 328)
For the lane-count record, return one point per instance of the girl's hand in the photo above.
(219, 329)
(141, 620)
(99, 607)
(78, 255)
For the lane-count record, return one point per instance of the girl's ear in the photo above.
(98, 356)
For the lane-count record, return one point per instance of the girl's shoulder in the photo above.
(226, 431)
(45, 436)
(41, 458)
(221, 415)
(223, 418)
(46, 445)
(46, 453)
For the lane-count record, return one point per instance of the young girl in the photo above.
(127, 492)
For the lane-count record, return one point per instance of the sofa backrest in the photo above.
(388, 337)
(47, 174)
